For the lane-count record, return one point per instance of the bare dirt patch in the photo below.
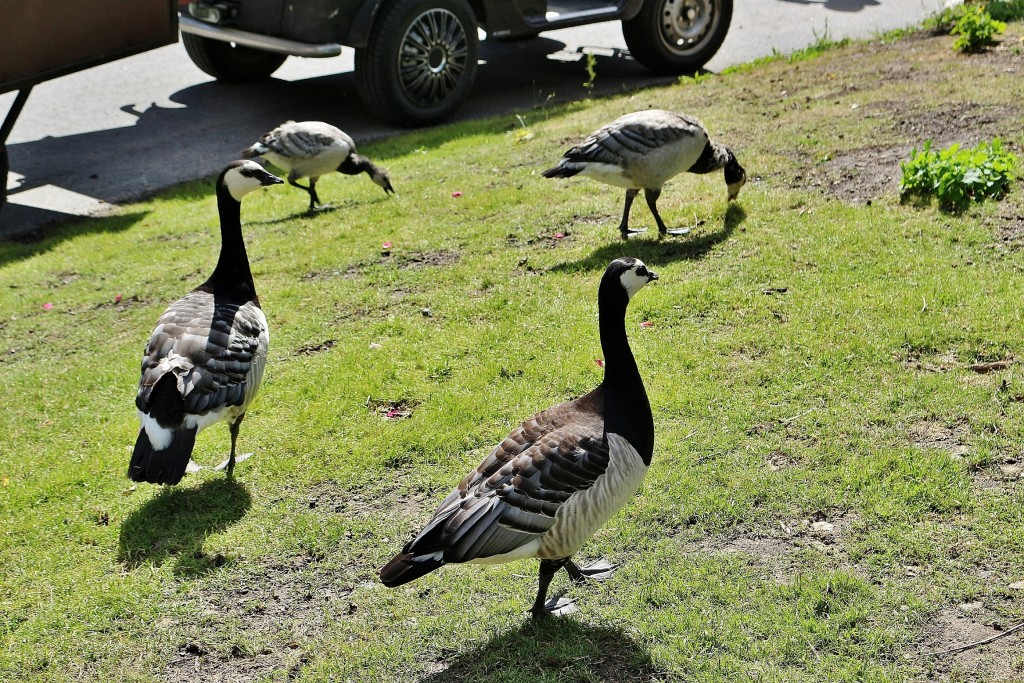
(863, 175)
(953, 627)
(929, 361)
(311, 349)
(281, 609)
(411, 261)
(423, 259)
(934, 434)
(782, 555)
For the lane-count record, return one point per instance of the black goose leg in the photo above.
(624, 225)
(541, 607)
(313, 198)
(229, 464)
(596, 571)
(309, 189)
(652, 202)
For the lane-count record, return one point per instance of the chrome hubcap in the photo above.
(432, 57)
(686, 24)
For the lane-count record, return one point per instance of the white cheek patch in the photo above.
(632, 282)
(240, 185)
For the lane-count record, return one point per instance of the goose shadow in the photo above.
(175, 523)
(658, 252)
(553, 649)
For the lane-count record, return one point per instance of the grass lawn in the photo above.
(836, 489)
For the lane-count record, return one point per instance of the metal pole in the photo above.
(13, 113)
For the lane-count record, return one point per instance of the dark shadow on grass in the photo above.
(658, 252)
(554, 649)
(177, 521)
(15, 247)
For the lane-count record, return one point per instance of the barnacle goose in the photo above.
(310, 149)
(205, 359)
(555, 480)
(643, 150)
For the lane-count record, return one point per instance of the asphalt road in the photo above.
(124, 130)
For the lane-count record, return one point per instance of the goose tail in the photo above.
(258, 149)
(562, 171)
(166, 465)
(405, 567)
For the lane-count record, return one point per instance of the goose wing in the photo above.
(217, 349)
(512, 497)
(635, 135)
(308, 139)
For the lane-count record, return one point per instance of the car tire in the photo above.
(419, 62)
(231, 63)
(677, 36)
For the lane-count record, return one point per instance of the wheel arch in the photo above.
(359, 32)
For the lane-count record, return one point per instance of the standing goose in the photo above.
(205, 359)
(310, 149)
(555, 480)
(643, 150)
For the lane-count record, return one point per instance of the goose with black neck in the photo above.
(204, 361)
(556, 479)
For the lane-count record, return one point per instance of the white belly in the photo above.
(310, 167)
(579, 518)
(609, 174)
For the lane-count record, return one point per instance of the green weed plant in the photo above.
(976, 28)
(956, 176)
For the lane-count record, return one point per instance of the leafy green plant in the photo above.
(944, 21)
(976, 28)
(591, 73)
(697, 78)
(958, 176)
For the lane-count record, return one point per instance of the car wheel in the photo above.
(419, 62)
(677, 36)
(231, 63)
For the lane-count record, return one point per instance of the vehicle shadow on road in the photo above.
(214, 122)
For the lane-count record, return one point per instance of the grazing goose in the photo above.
(310, 149)
(205, 359)
(555, 480)
(643, 150)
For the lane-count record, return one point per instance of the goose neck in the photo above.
(233, 264)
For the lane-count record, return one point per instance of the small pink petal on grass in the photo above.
(47, 306)
(386, 245)
(117, 299)
(456, 194)
(647, 323)
(600, 362)
(559, 235)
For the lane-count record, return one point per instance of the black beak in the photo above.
(651, 276)
(268, 178)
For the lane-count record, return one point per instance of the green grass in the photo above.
(809, 362)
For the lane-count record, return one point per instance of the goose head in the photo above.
(380, 176)
(243, 176)
(735, 176)
(631, 273)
